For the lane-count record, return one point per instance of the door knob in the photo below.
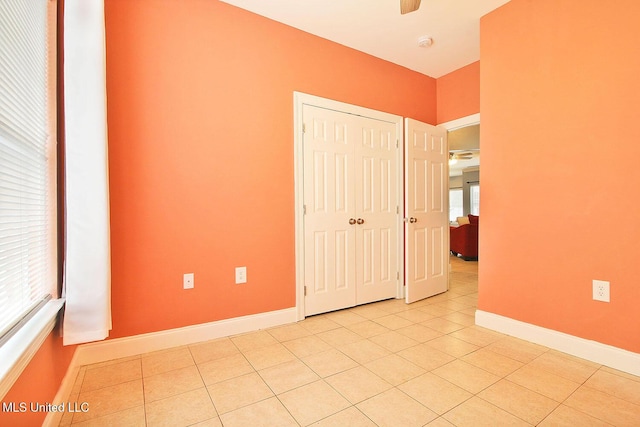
(352, 221)
(412, 220)
(360, 221)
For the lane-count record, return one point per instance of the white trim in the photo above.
(594, 351)
(53, 419)
(298, 170)
(401, 208)
(299, 100)
(18, 351)
(145, 343)
(473, 119)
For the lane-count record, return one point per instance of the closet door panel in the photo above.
(376, 205)
(351, 209)
(329, 199)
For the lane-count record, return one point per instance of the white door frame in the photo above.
(462, 122)
(300, 99)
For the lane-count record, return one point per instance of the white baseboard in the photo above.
(53, 419)
(594, 351)
(145, 343)
(103, 351)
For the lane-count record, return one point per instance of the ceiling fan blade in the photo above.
(407, 6)
(460, 156)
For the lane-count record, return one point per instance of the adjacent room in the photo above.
(464, 191)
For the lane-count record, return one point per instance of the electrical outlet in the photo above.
(601, 291)
(188, 281)
(241, 275)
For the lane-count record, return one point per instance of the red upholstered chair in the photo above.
(464, 239)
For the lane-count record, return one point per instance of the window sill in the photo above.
(16, 353)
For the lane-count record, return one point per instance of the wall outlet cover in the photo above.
(188, 281)
(241, 275)
(601, 291)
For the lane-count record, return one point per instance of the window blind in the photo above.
(27, 161)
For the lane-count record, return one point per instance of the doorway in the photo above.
(464, 180)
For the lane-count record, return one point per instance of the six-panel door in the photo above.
(426, 210)
(350, 203)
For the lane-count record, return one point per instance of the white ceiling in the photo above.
(377, 28)
(464, 140)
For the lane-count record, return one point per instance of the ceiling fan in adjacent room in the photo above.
(454, 156)
(407, 6)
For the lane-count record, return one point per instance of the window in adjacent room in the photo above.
(475, 199)
(455, 204)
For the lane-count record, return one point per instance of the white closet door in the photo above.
(329, 199)
(376, 203)
(426, 210)
(350, 200)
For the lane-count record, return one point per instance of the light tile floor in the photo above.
(384, 364)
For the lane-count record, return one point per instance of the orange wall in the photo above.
(200, 113)
(458, 93)
(39, 381)
(559, 143)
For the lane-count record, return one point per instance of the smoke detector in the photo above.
(425, 41)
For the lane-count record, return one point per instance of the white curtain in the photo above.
(87, 262)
